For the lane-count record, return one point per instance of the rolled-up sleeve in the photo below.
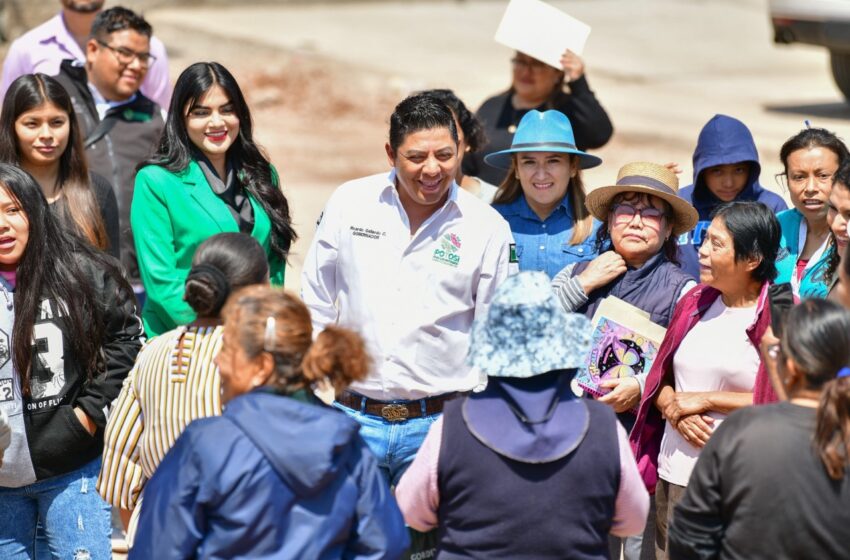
(417, 493)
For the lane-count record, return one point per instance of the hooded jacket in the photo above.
(722, 141)
(47, 438)
(271, 478)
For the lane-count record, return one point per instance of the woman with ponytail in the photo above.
(774, 481)
(175, 379)
(279, 474)
(207, 176)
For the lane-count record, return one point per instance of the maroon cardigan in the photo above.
(648, 430)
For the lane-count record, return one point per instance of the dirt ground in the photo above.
(317, 134)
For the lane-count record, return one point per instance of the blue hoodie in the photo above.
(723, 140)
(271, 478)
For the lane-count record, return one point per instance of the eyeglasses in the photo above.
(126, 56)
(528, 64)
(624, 213)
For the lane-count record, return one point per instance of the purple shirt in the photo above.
(43, 48)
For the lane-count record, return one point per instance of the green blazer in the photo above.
(171, 214)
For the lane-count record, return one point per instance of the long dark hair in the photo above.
(817, 338)
(73, 182)
(49, 269)
(223, 264)
(255, 174)
(841, 179)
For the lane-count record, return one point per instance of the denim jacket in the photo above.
(545, 245)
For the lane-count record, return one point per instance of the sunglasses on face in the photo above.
(624, 213)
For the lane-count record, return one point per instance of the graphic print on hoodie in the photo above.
(723, 140)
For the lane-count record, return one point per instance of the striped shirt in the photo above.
(174, 382)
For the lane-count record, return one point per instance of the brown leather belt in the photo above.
(396, 411)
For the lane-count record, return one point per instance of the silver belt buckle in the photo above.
(395, 412)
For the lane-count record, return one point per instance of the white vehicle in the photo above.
(825, 23)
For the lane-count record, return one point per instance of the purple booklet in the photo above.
(624, 343)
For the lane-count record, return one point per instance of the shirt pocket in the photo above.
(577, 253)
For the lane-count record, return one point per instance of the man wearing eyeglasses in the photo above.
(120, 125)
(43, 48)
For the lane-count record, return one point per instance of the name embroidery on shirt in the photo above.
(368, 233)
(446, 253)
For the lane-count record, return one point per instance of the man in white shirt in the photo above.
(64, 36)
(408, 259)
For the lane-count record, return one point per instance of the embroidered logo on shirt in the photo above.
(367, 232)
(446, 253)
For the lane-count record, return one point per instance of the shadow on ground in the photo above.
(827, 110)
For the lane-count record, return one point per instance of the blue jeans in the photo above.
(394, 443)
(75, 518)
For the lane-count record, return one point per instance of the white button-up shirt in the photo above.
(412, 297)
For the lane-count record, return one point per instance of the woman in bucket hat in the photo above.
(532, 471)
(641, 216)
(543, 197)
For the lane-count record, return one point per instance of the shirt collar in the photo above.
(391, 191)
(56, 32)
(520, 207)
(102, 104)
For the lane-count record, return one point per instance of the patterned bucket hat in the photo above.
(526, 332)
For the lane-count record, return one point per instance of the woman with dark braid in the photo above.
(175, 379)
(207, 176)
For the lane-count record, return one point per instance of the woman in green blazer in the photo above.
(206, 177)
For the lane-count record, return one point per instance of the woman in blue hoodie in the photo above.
(726, 168)
(278, 475)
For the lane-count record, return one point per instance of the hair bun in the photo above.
(207, 288)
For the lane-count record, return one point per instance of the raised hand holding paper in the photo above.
(542, 31)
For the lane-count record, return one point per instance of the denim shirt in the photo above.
(544, 245)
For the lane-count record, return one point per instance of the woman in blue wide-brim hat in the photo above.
(525, 469)
(542, 197)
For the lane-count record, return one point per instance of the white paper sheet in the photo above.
(541, 31)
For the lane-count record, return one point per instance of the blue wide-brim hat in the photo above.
(549, 131)
(526, 332)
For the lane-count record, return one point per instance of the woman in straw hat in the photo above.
(641, 217)
(543, 197)
(559, 475)
(708, 364)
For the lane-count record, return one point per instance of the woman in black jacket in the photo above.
(68, 336)
(773, 481)
(536, 85)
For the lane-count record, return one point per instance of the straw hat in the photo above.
(547, 131)
(649, 178)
